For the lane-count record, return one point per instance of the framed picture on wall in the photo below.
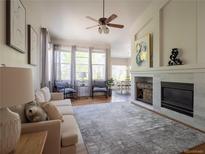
(16, 25)
(32, 46)
(143, 51)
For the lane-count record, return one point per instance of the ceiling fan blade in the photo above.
(92, 19)
(116, 25)
(91, 27)
(111, 18)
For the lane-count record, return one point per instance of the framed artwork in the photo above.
(143, 51)
(32, 45)
(16, 25)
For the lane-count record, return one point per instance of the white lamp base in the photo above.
(10, 128)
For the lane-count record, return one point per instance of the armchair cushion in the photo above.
(61, 84)
(67, 90)
(97, 89)
(100, 84)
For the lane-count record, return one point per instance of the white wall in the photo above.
(11, 57)
(173, 24)
(178, 29)
(120, 61)
(201, 32)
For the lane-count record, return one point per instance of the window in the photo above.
(63, 67)
(98, 65)
(119, 72)
(82, 64)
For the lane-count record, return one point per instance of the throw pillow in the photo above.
(46, 93)
(34, 112)
(39, 96)
(52, 111)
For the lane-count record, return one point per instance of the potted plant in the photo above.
(109, 84)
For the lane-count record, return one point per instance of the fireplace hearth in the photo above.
(178, 97)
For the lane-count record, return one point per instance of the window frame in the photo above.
(82, 64)
(59, 63)
(97, 64)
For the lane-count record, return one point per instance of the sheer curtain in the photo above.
(90, 79)
(108, 64)
(62, 63)
(45, 39)
(73, 69)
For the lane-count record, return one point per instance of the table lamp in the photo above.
(16, 87)
(82, 75)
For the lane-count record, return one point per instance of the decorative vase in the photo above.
(10, 128)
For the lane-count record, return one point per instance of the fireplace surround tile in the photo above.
(197, 78)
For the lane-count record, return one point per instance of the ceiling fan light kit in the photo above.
(104, 23)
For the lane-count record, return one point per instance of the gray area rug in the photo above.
(124, 128)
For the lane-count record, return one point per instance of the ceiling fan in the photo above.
(104, 23)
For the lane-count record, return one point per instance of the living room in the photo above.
(102, 76)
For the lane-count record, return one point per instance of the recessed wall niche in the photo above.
(178, 28)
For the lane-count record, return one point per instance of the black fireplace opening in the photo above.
(178, 97)
(144, 89)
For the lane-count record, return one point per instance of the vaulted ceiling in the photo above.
(66, 21)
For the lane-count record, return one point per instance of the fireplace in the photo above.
(144, 89)
(178, 97)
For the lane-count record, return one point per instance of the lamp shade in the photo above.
(16, 86)
(82, 74)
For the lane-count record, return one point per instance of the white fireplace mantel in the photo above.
(183, 74)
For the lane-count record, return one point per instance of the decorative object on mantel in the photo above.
(173, 58)
(16, 25)
(142, 49)
(16, 87)
(32, 45)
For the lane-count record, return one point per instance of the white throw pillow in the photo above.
(39, 96)
(46, 93)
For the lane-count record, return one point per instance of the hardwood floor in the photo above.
(90, 100)
(116, 97)
(199, 149)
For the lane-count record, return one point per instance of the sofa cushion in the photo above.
(69, 131)
(39, 96)
(64, 102)
(65, 110)
(46, 93)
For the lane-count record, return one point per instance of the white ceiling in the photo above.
(66, 21)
